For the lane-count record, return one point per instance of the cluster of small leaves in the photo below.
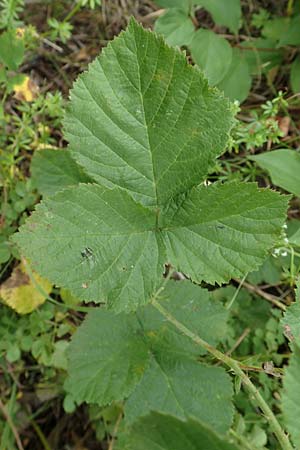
(35, 334)
(261, 127)
(231, 67)
(9, 13)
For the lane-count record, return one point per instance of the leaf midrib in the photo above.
(146, 129)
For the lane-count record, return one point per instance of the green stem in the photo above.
(290, 7)
(40, 434)
(73, 11)
(255, 396)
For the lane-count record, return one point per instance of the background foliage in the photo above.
(249, 51)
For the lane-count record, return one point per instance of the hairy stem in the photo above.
(255, 396)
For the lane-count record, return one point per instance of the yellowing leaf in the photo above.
(26, 90)
(21, 293)
(20, 32)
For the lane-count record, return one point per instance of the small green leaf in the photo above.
(283, 166)
(161, 432)
(53, 170)
(276, 28)
(291, 396)
(226, 13)
(237, 82)
(4, 252)
(179, 4)
(176, 26)
(295, 75)
(107, 358)
(291, 36)
(212, 53)
(11, 50)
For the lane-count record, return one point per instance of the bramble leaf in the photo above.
(97, 242)
(183, 387)
(221, 231)
(145, 120)
(146, 125)
(156, 365)
(161, 432)
(107, 358)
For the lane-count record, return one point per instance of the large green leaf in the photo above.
(183, 387)
(227, 13)
(284, 168)
(212, 53)
(162, 432)
(291, 396)
(176, 26)
(108, 357)
(145, 120)
(157, 366)
(221, 230)
(104, 245)
(53, 170)
(97, 242)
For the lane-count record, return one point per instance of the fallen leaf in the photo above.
(21, 293)
(26, 90)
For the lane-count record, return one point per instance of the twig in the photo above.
(11, 424)
(115, 430)
(239, 341)
(152, 15)
(40, 434)
(269, 297)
